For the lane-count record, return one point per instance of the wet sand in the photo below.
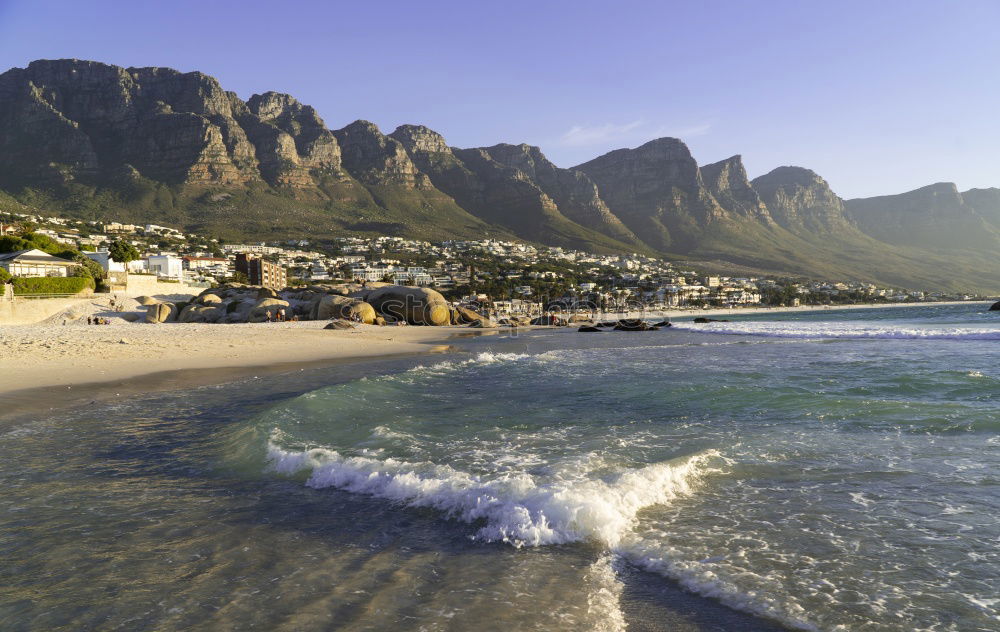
(42, 362)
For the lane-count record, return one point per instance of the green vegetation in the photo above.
(89, 268)
(33, 241)
(257, 211)
(123, 252)
(498, 279)
(785, 295)
(51, 285)
(29, 240)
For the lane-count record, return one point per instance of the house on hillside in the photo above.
(35, 263)
(103, 257)
(166, 267)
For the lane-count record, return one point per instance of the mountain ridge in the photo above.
(158, 145)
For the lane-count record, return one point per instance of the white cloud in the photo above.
(583, 135)
(639, 130)
(683, 132)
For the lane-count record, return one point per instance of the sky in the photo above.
(878, 97)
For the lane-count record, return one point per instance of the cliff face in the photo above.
(376, 159)
(293, 145)
(657, 191)
(573, 192)
(433, 156)
(172, 127)
(727, 181)
(167, 125)
(935, 216)
(155, 144)
(801, 201)
(985, 202)
(503, 186)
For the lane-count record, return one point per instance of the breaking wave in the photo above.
(518, 508)
(786, 329)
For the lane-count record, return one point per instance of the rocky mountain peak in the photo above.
(986, 202)
(657, 191)
(937, 194)
(790, 176)
(573, 192)
(800, 200)
(170, 126)
(728, 183)
(417, 138)
(376, 159)
(930, 216)
(273, 105)
(315, 147)
(525, 158)
(940, 197)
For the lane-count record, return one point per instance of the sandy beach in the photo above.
(52, 355)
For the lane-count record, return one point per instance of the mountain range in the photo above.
(98, 141)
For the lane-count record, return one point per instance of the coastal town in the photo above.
(509, 277)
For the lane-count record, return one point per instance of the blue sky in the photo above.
(877, 97)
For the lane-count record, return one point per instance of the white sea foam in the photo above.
(484, 358)
(516, 508)
(702, 577)
(798, 329)
(604, 596)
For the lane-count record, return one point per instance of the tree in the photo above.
(25, 228)
(88, 268)
(122, 251)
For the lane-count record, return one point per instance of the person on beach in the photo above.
(90, 321)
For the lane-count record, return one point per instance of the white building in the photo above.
(318, 272)
(103, 257)
(35, 263)
(254, 249)
(161, 230)
(413, 276)
(120, 228)
(166, 266)
(376, 272)
(201, 263)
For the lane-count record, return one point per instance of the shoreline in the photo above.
(731, 311)
(50, 362)
(41, 362)
(41, 399)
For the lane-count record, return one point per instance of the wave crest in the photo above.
(787, 329)
(516, 508)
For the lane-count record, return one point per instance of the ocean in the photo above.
(828, 470)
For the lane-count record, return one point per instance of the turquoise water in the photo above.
(822, 471)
